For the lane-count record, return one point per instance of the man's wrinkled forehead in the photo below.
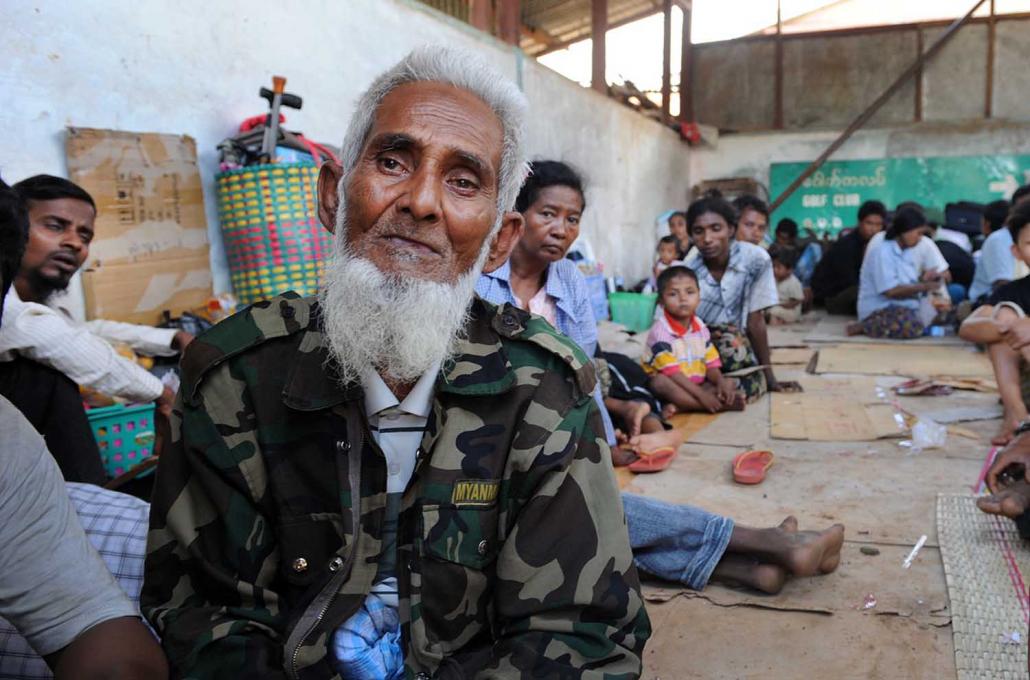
(443, 118)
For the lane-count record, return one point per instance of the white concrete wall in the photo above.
(749, 155)
(194, 67)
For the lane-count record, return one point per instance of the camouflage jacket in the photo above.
(513, 558)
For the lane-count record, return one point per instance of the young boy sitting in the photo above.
(1001, 324)
(787, 286)
(680, 358)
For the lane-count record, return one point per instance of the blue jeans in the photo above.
(678, 543)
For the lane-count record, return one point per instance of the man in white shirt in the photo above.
(37, 336)
(54, 587)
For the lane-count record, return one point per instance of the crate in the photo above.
(125, 435)
(635, 311)
(273, 239)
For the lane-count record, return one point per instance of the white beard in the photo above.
(399, 325)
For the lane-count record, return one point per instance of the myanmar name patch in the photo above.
(475, 492)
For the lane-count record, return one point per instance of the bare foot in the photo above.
(809, 553)
(739, 403)
(1012, 501)
(669, 410)
(737, 570)
(653, 441)
(623, 455)
(854, 328)
(636, 417)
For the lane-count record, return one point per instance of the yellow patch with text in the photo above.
(475, 492)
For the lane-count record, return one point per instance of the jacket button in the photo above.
(288, 312)
(342, 446)
(335, 563)
(300, 565)
(481, 548)
(509, 320)
(422, 676)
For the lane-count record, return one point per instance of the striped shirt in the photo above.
(747, 286)
(83, 351)
(671, 349)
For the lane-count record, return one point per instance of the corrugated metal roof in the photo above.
(553, 24)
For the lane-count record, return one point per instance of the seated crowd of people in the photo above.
(412, 473)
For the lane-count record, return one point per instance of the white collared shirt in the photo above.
(82, 351)
(397, 428)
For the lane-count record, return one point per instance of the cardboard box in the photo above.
(150, 252)
(139, 292)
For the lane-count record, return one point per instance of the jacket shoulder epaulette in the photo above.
(276, 317)
(519, 325)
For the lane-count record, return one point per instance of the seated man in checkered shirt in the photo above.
(55, 589)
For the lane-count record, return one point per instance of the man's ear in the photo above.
(328, 194)
(504, 241)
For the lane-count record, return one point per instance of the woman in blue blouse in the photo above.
(678, 543)
(890, 291)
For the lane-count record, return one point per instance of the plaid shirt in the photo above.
(116, 525)
(747, 285)
(575, 316)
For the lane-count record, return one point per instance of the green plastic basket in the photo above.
(635, 311)
(124, 434)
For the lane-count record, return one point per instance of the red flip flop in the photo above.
(654, 461)
(750, 467)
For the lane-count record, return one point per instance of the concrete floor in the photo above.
(817, 628)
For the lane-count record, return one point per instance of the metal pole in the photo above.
(667, 61)
(598, 31)
(864, 117)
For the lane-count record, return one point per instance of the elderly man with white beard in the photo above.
(397, 479)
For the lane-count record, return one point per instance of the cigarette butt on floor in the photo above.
(915, 551)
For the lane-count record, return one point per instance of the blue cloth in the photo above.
(887, 266)
(677, 543)
(574, 316)
(368, 644)
(996, 263)
(747, 285)
(805, 267)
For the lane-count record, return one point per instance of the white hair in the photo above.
(466, 71)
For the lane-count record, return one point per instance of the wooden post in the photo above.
(919, 75)
(481, 15)
(667, 61)
(510, 21)
(598, 33)
(686, 64)
(778, 82)
(989, 87)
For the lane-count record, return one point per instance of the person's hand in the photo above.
(931, 275)
(1016, 334)
(163, 420)
(710, 401)
(181, 340)
(727, 390)
(1016, 453)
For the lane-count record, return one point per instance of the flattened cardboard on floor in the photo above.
(150, 215)
(833, 410)
(921, 361)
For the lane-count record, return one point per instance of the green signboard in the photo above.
(828, 201)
